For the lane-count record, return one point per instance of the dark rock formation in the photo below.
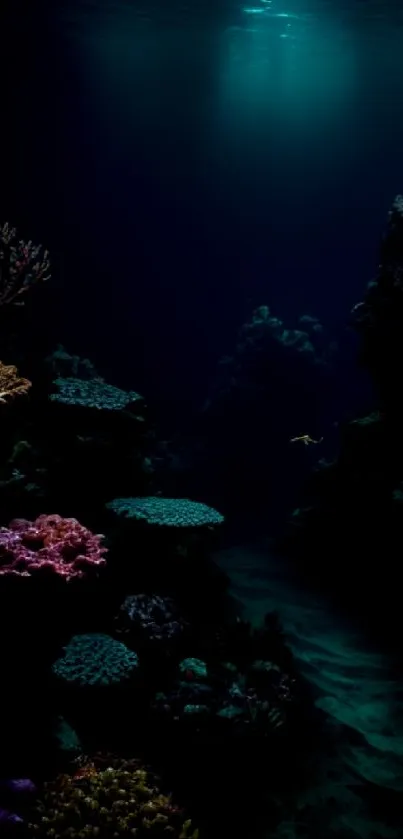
(349, 529)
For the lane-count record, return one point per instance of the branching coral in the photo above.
(119, 799)
(11, 384)
(50, 544)
(22, 265)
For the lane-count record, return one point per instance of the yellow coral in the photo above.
(11, 384)
(119, 801)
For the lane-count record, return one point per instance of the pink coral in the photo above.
(49, 544)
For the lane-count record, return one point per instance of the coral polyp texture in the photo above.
(11, 384)
(150, 615)
(95, 660)
(51, 545)
(93, 393)
(166, 512)
(22, 265)
(118, 799)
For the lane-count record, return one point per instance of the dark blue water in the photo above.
(188, 162)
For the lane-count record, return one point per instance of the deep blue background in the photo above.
(173, 201)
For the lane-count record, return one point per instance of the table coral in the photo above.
(11, 384)
(95, 660)
(93, 393)
(166, 512)
(50, 544)
(120, 799)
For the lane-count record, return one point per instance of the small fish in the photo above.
(306, 439)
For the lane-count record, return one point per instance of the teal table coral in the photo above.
(166, 512)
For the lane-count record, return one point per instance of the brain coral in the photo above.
(95, 660)
(166, 512)
(51, 545)
(93, 393)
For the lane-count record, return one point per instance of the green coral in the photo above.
(95, 660)
(92, 393)
(166, 512)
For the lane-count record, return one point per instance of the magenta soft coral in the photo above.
(50, 544)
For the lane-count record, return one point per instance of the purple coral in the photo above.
(18, 788)
(22, 265)
(154, 616)
(50, 544)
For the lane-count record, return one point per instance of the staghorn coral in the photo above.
(22, 265)
(166, 512)
(11, 384)
(116, 798)
(95, 660)
(52, 545)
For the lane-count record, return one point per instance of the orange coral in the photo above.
(11, 384)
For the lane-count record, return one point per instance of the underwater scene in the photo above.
(201, 414)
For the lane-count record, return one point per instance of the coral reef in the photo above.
(95, 660)
(22, 265)
(166, 512)
(108, 798)
(51, 545)
(11, 384)
(189, 673)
